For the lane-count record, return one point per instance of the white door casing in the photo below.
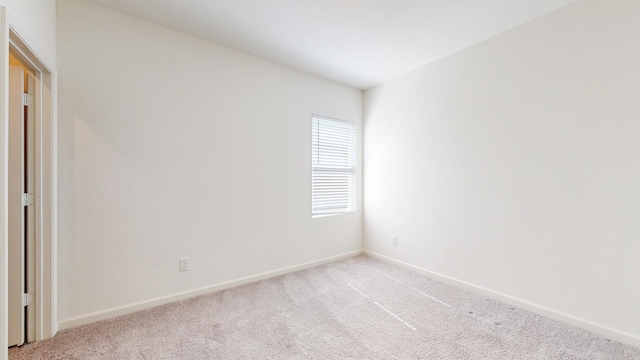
(16, 314)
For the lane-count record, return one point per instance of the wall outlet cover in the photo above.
(184, 264)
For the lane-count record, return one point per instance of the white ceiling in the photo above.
(360, 43)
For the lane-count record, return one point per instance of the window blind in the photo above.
(333, 169)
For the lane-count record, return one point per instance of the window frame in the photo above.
(351, 169)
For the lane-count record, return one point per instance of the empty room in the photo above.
(320, 179)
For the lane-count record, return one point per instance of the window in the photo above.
(333, 166)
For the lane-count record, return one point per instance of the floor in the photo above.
(358, 308)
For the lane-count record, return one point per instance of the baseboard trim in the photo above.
(608, 332)
(147, 304)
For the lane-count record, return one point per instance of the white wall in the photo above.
(4, 182)
(513, 165)
(170, 147)
(35, 21)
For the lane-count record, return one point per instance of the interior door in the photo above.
(16, 318)
(30, 211)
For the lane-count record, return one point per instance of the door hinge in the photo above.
(27, 99)
(27, 299)
(27, 199)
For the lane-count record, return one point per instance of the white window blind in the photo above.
(333, 169)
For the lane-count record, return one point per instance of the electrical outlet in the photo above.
(394, 240)
(184, 264)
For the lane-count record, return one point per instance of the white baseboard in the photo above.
(147, 304)
(600, 329)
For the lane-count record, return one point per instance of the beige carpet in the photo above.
(359, 308)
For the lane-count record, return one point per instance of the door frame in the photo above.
(12, 37)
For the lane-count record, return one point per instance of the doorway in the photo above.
(36, 165)
(22, 207)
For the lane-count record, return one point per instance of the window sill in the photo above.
(332, 214)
